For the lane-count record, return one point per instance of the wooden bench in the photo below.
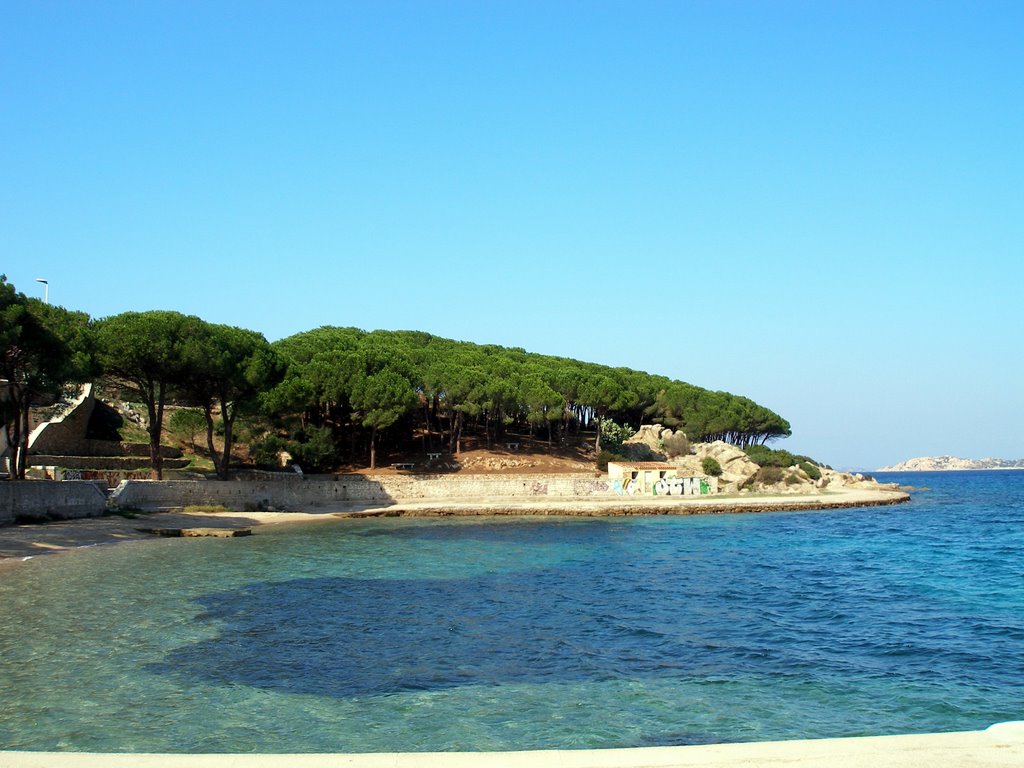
(433, 456)
(404, 465)
(512, 446)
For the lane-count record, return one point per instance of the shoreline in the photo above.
(948, 469)
(21, 542)
(1001, 744)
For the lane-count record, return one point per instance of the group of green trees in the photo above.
(41, 348)
(354, 383)
(167, 356)
(334, 393)
(159, 357)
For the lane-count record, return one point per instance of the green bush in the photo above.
(764, 456)
(317, 452)
(614, 435)
(186, 424)
(264, 452)
(765, 476)
(810, 470)
(792, 479)
(711, 466)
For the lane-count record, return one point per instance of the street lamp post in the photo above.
(46, 289)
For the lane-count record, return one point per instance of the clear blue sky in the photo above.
(819, 205)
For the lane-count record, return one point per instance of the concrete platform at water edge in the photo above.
(1000, 745)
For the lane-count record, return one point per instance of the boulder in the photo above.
(836, 478)
(689, 466)
(645, 445)
(737, 467)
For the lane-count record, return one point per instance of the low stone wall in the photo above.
(38, 500)
(87, 446)
(348, 490)
(103, 462)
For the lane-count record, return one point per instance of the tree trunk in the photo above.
(208, 411)
(227, 415)
(373, 448)
(155, 411)
(597, 440)
(21, 454)
(13, 430)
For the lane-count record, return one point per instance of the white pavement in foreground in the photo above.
(1000, 745)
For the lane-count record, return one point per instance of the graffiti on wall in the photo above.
(666, 486)
(681, 486)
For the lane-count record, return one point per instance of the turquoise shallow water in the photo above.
(382, 635)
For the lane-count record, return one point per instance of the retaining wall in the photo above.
(348, 490)
(27, 501)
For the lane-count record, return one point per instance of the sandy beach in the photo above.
(998, 746)
(20, 542)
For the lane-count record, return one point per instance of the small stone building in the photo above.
(654, 478)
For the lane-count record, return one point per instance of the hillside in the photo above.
(950, 463)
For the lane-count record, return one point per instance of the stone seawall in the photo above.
(346, 491)
(396, 495)
(38, 500)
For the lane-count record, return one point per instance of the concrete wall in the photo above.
(37, 500)
(347, 490)
(64, 433)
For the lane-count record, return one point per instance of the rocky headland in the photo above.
(740, 474)
(951, 463)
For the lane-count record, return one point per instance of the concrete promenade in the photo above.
(1000, 745)
(625, 506)
(25, 541)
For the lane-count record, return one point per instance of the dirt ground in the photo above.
(515, 454)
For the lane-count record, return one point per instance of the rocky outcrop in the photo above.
(732, 459)
(740, 474)
(736, 466)
(951, 463)
(646, 445)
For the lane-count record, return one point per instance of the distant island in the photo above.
(947, 463)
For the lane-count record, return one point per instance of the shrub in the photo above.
(264, 452)
(810, 470)
(768, 457)
(677, 444)
(189, 422)
(317, 452)
(614, 435)
(764, 456)
(711, 466)
(765, 476)
(792, 479)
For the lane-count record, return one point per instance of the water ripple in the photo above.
(516, 634)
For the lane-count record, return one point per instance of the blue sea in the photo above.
(531, 633)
